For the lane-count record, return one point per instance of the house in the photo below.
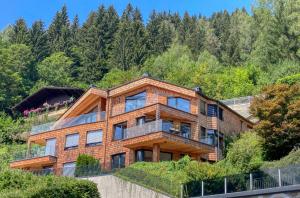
(51, 100)
(142, 120)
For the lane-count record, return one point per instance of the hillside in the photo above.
(227, 54)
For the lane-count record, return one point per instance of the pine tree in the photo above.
(121, 55)
(75, 31)
(59, 32)
(20, 33)
(139, 36)
(38, 41)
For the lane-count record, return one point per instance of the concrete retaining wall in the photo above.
(111, 186)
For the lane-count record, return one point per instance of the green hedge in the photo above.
(87, 165)
(19, 184)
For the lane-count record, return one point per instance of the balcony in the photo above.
(69, 122)
(163, 133)
(38, 157)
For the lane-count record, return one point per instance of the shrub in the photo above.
(19, 184)
(87, 165)
(246, 154)
(292, 158)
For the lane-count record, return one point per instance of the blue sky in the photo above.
(32, 10)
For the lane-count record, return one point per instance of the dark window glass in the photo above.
(212, 110)
(140, 121)
(179, 103)
(165, 156)
(72, 141)
(211, 136)
(202, 107)
(118, 161)
(94, 137)
(119, 130)
(203, 132)
(135, 101)
(143, 155)
(185, 129)
(167, 125)
(221, 114)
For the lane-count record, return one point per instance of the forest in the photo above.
(226, 54)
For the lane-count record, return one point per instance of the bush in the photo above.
(87, 165)
(246, 154)
(19, 184)
(291, 159)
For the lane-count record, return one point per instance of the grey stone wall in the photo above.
(111, 186)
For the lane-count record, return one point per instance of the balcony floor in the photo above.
(168, 141)
(37, 162)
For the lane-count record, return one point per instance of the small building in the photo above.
(142, 120)
(51, 100)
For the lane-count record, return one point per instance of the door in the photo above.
(50, 147)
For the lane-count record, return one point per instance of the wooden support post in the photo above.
(156, 153)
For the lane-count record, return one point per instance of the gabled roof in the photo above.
(140, 82)
(43, 94)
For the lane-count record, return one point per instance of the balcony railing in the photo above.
(152, 127)
(34, 153)
(208, 140)
(68, 122)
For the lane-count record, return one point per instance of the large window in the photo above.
(94, 138)
(179, 103)
(69, 169)
(135, 101)
(185, 129)
(72, 141)
(118, 161)
(202, 107)
(143, 155)
(165, 156)
(119, 130)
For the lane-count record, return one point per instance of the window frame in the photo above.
(145, 100)
(215, 110)
(190, 133)
(176, 103)
(93, 143)
(114, 130)
(73, 171)
(165, 153)
(71, 147)
(221, 115)
(118, 154)
(203, 104)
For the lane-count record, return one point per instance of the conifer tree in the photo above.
(38, 41)
(59, 32)
(19, 33)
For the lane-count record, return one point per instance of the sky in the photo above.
(44, 10)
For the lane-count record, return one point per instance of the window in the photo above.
(72, 141)
(50, 147)
(69, 169)
(203, 132)
(118, 161)
(179, 103)
(119, 130)
(221, 114)
(94, 137)
(212, 110)
(140, 121)
(143, 155)
(185, 129)
(211, 134)
(135, 101)
(165, 156)
(167, 125)
(202, 107)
